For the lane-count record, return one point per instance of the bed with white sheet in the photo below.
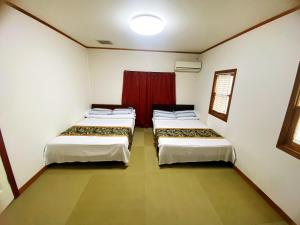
(189, 149)
(85, 148)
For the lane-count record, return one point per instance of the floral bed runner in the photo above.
(185, 133)
(99, 131)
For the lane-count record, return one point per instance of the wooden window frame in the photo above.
(285, 140)
(221, 116)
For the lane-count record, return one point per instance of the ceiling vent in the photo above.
(105, 42)
(189, 67)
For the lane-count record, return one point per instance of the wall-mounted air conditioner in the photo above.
(189, 67)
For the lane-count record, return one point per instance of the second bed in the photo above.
(189, 140)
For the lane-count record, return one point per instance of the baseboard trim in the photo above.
(28, 183)
(266, 197)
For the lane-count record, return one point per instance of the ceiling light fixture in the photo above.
(147, 24)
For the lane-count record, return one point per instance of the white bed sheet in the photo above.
(177, 150)
(90, 148)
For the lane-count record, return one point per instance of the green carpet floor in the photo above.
(141, 194)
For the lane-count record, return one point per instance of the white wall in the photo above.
(44, 88)
(107, 68)
(266, 60)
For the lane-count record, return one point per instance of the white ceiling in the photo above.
(191, 25)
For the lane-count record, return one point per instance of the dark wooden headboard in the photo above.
(108, 106)
(173, 107)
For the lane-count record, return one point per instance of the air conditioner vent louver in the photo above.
(105, 42)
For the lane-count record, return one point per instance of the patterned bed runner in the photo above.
(99, 131)
(185, 133)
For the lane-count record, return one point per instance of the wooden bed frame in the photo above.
(165, 107)
(109, 106)
(172, 107)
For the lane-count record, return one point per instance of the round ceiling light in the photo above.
(147, 24)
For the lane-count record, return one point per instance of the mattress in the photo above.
(179, 150)
(90, 148)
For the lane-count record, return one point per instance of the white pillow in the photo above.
(122, 111)
(101, 109)
(162, 111)
(101, 112)
(184, 111)
(186, 114)
(165, 115)
(123, 116)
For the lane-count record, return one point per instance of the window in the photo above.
(289, 138)
(222, 93)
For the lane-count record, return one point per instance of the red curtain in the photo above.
(143, 89)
